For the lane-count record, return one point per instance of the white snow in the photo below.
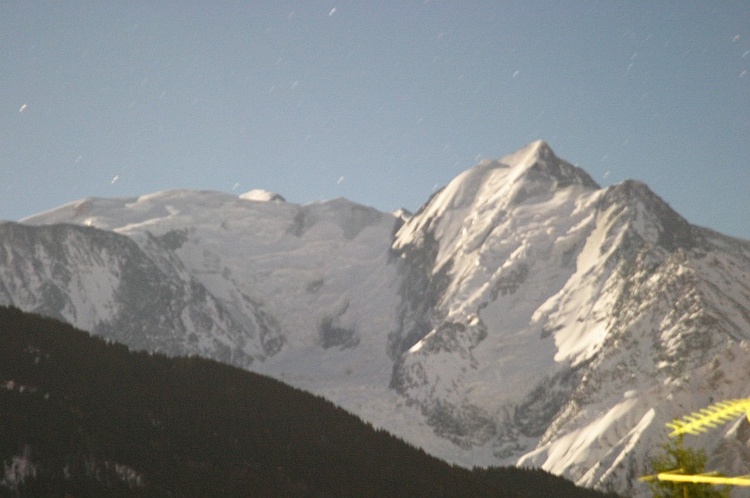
(326, 261)
(542, 279)
(261, 195)
(18, 470)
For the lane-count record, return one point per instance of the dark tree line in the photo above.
(96, 419)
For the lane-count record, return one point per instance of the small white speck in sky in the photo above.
(290, 77)
(606, 174)
(340, 180)
(236, 186)
(114, 180)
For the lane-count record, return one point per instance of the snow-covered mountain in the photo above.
(523, 315)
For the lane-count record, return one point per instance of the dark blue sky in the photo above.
(379, 102)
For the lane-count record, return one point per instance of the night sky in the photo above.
(381, 102)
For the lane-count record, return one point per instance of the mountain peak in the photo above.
(538, 160)
(530, 154)
(540, 149)
(668, 228)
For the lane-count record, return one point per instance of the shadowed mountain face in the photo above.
(82, 417)
(523, 316)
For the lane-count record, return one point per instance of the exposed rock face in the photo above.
(104, 282)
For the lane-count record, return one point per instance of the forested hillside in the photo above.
(82, 417)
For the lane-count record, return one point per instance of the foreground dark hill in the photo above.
(82, 417)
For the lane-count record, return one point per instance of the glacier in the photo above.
(524, 315)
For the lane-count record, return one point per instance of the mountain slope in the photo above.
(524, 315)
(82, 417)
(106, 283)
(591, 308)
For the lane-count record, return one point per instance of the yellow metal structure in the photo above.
(710, 417)
(698, 423)
(708, 478)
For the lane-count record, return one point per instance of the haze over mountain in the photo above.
(522, 316)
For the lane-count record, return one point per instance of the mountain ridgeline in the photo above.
(84, 417)
(524, 315)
